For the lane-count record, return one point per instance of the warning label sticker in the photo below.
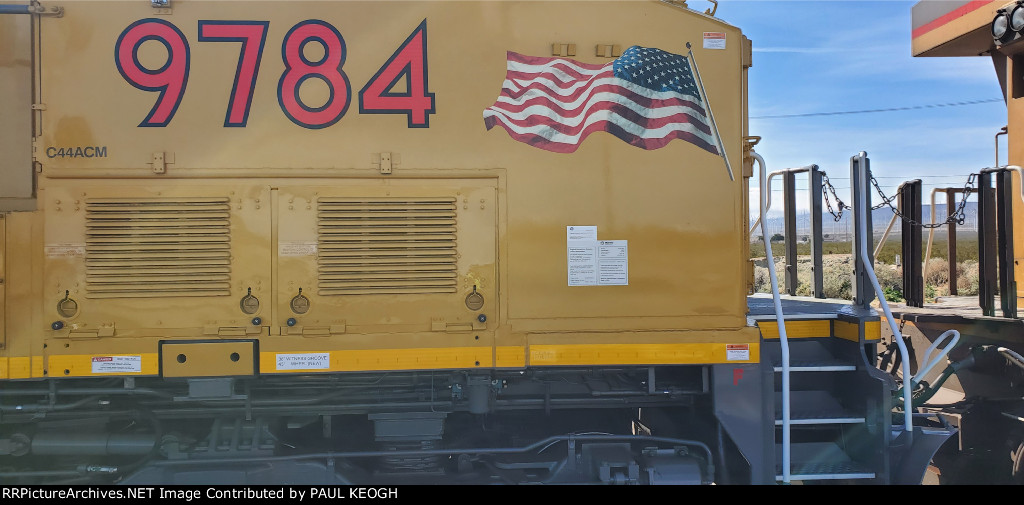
(714, 40)
(65, 250)
(116, 364)
(593, 262)
(582, 264)
(577, 233)
(613, 262)
(737, 352)
(304, 361)
(296, 249)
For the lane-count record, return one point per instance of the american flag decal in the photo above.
(646, 97)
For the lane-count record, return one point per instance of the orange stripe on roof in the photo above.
(949, 16)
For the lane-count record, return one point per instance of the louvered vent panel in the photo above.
(386, 245)
(163, 247)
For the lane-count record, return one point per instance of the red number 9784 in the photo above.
(409, 61)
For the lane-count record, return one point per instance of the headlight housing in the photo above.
(1016, 18)
(1001, 27)
(1008, 25)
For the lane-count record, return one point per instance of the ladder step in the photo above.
(826, 472)
(809, 417)
(824, 365)
(816, 407)
(820, 461)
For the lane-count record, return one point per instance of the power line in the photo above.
(953, 177)
(893, 109)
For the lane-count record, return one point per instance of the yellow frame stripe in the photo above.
(510, 356)
(809, 328)
(21, 367)
(847, 331)
(431, 358)
(352, 360)
(80, 365)
(850, 331)
(639, 354)
(872, 330)
(822, 328)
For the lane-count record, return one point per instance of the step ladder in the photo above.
(833, 437)
(835, 403)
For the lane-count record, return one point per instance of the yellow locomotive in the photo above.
(408, 241)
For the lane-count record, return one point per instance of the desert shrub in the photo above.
(938, 272)
(837, 276)
(803, 288)
(889, 277)
(967, 278)
(888, 252)
(892, 294)
(757, 249)
(762, 281)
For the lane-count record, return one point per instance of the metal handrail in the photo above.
(861, 209)
(931, 230)
(771, 176)
(768, 205)
(15, 9)
(780, 321)
(929, 364)
(1020, 173)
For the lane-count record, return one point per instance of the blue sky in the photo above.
(828, 56)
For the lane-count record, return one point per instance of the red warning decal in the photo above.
(737, 352)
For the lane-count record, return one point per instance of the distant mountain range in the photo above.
(842, 230)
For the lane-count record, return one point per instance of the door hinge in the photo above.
(159, 166)
(314, 331)
(558, 49)
(232, 331)
(442, 325)
(159, 162)
(385, 162)
(608, 50)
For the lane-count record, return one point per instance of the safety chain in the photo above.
(826, 188)
(957, 217)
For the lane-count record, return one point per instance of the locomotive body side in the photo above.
(260, 210)
(295, 224)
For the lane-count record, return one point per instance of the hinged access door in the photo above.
(388, 256)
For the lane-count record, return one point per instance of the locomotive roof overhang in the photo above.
(954, 28)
